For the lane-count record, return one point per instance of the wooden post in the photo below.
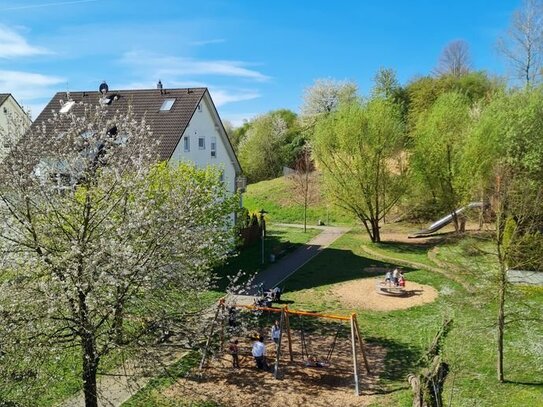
(362, 346)
(210, 336)
(278, 350)
(287, 320)
(223, 322)
(355, 361)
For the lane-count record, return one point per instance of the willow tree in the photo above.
(105, 248)
(359, 149)
(439, 140)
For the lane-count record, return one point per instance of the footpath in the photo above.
(118, 386)
(288, 265)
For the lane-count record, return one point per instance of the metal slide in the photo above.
(434, 227)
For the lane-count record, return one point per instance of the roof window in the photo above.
(66, 107)
(167, 105)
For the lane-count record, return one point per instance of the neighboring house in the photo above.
(12, 115)
(185, 120)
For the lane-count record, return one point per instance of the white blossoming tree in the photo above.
(103, 246)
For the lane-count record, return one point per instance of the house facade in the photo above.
(185, 121)
(11, 114)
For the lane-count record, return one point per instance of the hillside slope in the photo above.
(276, 197)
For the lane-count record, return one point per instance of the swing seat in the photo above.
(390, 290)
(319, 364)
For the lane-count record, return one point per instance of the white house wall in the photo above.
(203, 125)
(11, 115)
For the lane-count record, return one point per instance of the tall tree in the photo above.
(522, 45)
(103, 245)
(359, 149)
(454, 60)
(423, 92)
(271, 141)
(438, 153)
(325, 96)
(303, 181)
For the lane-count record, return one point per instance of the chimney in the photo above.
(103, 88)
(159, 86)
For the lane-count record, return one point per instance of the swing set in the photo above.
(356, 341)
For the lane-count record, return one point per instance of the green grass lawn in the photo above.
(470, 346)
(275, 196)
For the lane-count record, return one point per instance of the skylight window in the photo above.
(67, 106)
(167, 105)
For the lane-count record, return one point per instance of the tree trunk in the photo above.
(305, 216)
(90, 368)
(501, 324)
(118, 319)
(375, 231)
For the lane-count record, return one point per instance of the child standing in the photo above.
(234, 351)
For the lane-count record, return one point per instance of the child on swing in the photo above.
(312, 361)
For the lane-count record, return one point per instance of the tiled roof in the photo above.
(167, 125)
(3, 97)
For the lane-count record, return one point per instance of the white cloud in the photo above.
(13, 45)
(237, 119)
(207, 42)
(170, 66)
(27, 85)
(222, 97)
(58, 3)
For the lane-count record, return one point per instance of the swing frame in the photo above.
(357, 343)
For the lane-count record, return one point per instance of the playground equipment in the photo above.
(385, 288)
(356, 341)
(434, 227)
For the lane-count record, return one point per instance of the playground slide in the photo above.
(434, 227)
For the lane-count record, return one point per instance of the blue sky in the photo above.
(254, 55)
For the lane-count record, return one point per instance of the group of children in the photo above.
(258, 349)
(395, 277)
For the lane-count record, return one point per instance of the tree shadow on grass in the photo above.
(333, 266)
(248, 260)
(522, 383)
(400, 359)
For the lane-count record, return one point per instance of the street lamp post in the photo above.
(262, 212)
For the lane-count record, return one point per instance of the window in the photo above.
(221, 177)
(199, 107)
(213, 146)
(186, 143)
(201, 143)
(66, 107)
(167, 105)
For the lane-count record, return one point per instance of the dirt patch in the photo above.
(300, 385)
(362, 294)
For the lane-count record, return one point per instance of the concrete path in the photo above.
(288, 265)
(118, 386)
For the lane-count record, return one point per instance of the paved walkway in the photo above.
(288, 265)
(120, 385)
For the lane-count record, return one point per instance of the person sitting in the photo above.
(401, 279)
(276, 294)
(395, 276)
(312, 361)
(388, 277)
